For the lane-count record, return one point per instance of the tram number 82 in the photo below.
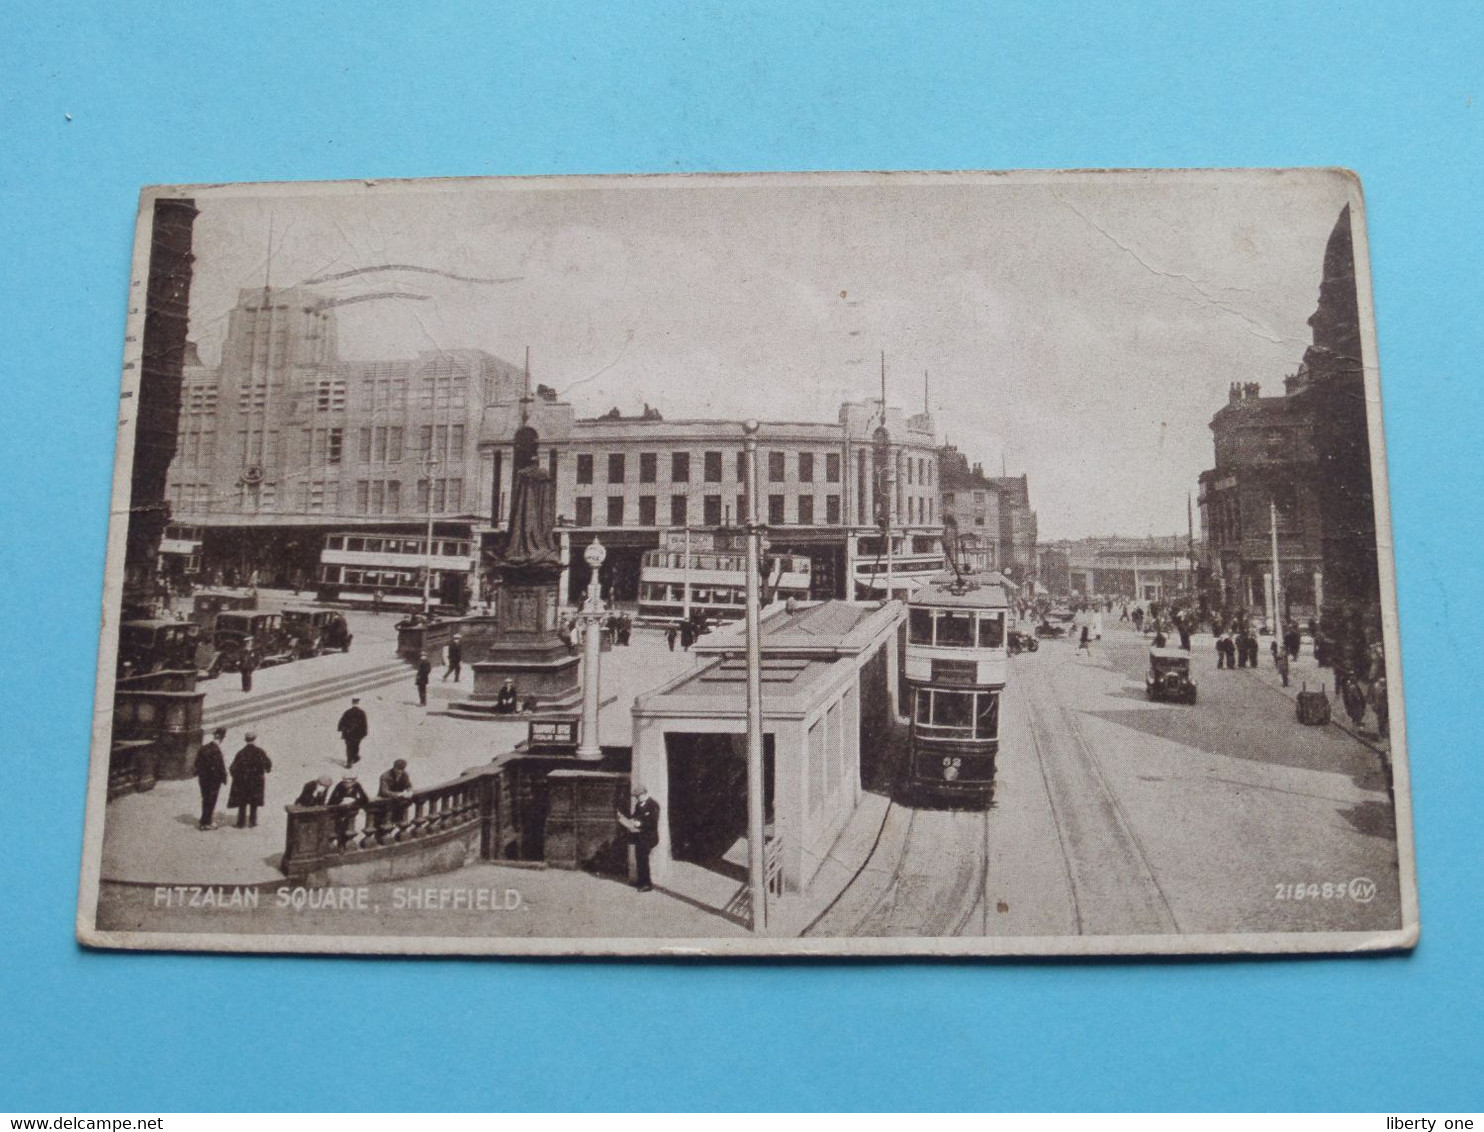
(951, 766)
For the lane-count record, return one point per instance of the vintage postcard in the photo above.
(777, 564)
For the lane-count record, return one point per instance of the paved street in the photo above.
(152, 837)
(1113, 815)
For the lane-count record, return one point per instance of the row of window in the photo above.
(713, 514)
(384, 497)
(956, 629)
(398, 544)
(712, 464)
(675, 560)
(655, 593)
(957, 715)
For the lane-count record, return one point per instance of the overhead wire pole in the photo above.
(757, 880)
(1277, 611)
(429, 463)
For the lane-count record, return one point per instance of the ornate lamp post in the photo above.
(591, 617)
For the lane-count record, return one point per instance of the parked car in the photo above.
(1018, 642)
(155, 645)
(1168, 677)
(317, 630)
(238, 630)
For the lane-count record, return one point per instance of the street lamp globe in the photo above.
(595, 554)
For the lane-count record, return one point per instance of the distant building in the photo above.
(1155, 568)
(997, 527)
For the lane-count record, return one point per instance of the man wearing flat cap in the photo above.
(250, 767)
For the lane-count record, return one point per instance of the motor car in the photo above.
(1168, 678)
(238, 630)
(156, 644)
(317, 630)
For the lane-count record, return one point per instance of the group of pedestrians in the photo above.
(248, 774)
(250, 767)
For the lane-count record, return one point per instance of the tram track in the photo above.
(1115, 887)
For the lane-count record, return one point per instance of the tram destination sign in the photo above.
(1157, 711)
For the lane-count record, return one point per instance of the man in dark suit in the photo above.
(455, 655)
(642, 824)
(211, 776)
(424, 670)
(395, 783)
(349, 791)
(247, 664)
(250, 767)
(353, 727)
(316, 792)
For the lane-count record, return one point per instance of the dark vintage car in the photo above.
(317, 630)
(1168, 677)
(156, 645)
(208, 603)
(239, 630)
(1018, 642)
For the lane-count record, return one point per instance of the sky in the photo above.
(1080, 329)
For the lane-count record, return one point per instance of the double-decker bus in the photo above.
(712, 565)
(957, 665)
(915, 558)
(355, 565)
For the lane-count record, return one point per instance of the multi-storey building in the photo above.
(283, 442)
(1300, 464)
(997, 528)
(630, 479)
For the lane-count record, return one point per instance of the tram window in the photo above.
(920, 626)
(924, 705)
(991, 631)
(953, 709)
(956, 629)
(335, 543)
(355, 544)
(988, 722)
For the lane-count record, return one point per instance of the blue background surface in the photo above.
(263, 91)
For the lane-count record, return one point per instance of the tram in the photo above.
(914, 559)
(356, 566)
(957, 665)
(706, 571)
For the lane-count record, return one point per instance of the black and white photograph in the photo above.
(763, 564)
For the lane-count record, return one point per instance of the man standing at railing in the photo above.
(642, 824)
(353, 727)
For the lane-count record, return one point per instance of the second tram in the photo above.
(359, 568)
(957, 666)
(711, 576)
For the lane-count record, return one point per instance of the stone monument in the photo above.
(522, 642)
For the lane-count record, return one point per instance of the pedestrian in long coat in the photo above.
(211, 776)
(353, 728)
(250, 767)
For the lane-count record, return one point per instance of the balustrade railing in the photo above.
(773, 865)
(320, 837)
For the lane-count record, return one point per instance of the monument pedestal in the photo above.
(520, 643)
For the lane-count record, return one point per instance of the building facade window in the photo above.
(615, 510)
(806, 510)
(680, 467)
(615, 467)
(741, 467)
(832, 510)
(775, 510)
(646, 509)
(584, 509)
(711, 510)
(742, 508)
(712, 470)
(585, 469)
(648, 467)
(832, 467)
(679, 514)
(777, 467)
(806, 467)
(336, 443)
